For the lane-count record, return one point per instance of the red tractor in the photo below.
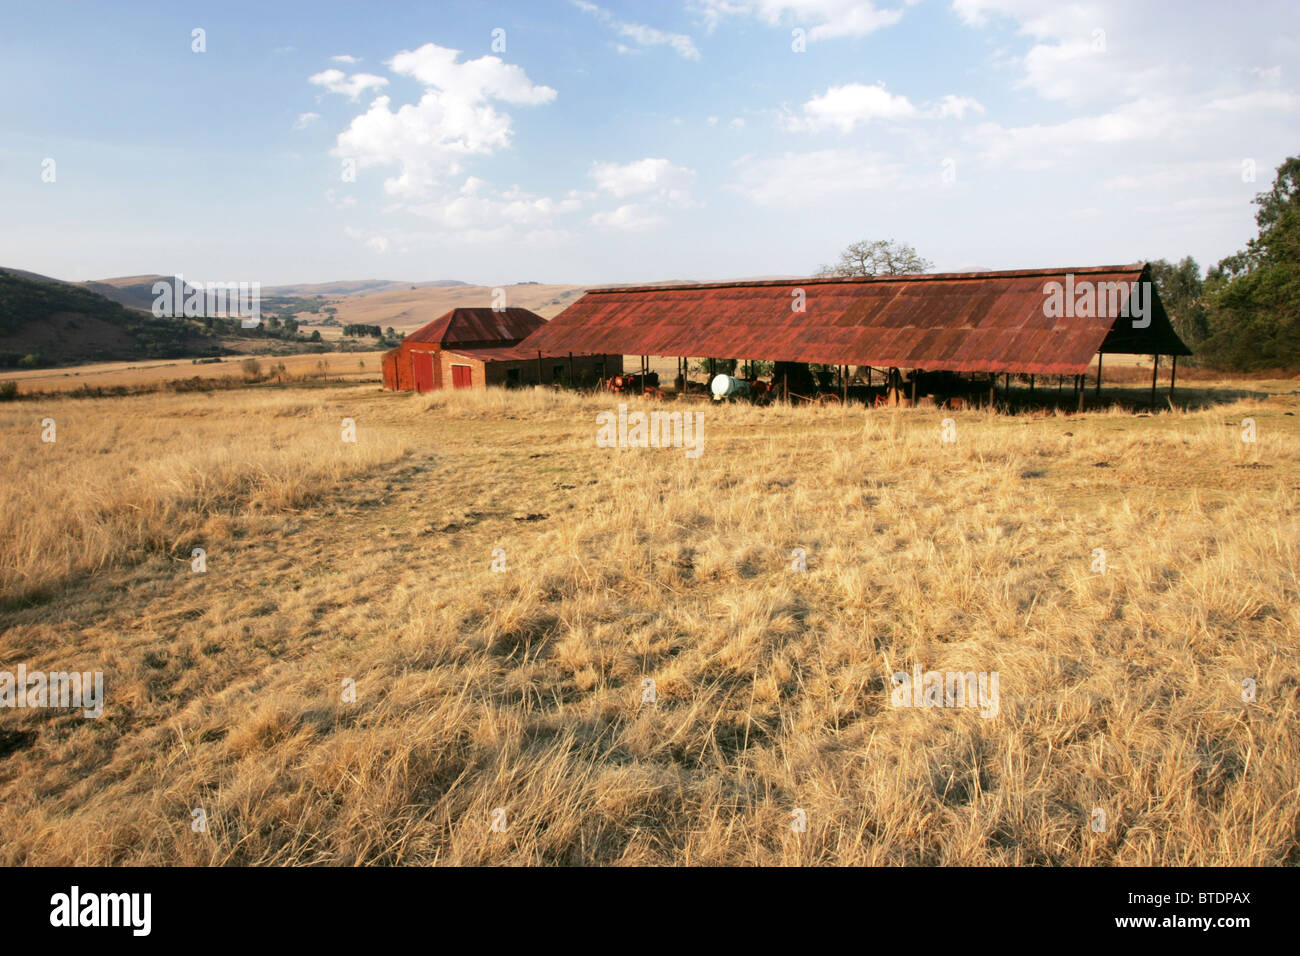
(636, 384)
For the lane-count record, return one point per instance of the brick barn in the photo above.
(475, 348)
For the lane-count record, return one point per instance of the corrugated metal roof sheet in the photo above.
(964, 322)
(515, 353)
(479, 327)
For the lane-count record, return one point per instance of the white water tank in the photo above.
(728, 386)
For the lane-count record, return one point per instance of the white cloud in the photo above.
(474, 81)
(1171, 104)
(632, 217)
(640, 34)
(336, 81)
(305, 119)
(1105, 50)
(955, 107)
(474, 209)
(657, 177)
(738, 123)
(345, 58)
(823, 19)
(453, 120)
(371, 240)
(844, 107)
(655, 182)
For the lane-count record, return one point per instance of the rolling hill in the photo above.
(134, 292)
(58, 322)
(354, 287)
(407, 309)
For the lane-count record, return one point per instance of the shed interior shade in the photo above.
(964, 322)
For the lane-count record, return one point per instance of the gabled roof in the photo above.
(479, 327)
(508, 353)
(972, 321)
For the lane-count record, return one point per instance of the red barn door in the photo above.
(460, 376)
(422, 366)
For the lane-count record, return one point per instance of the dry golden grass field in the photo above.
(352, 366)
(521, 691)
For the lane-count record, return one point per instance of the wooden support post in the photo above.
(1173, 374)
(1098, 392)
(1082, 392)
(914, 381)
(1031, 384)
(1155, 369)
(572, 379)
(785, 387)
(539, 367)
(993, 388)
(844, 383)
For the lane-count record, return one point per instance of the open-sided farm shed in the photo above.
(981, 322)
(474, 348)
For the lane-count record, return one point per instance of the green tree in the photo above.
(1180, 286)
(876, 258)
(1253, 296)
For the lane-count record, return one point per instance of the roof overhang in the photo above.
(1008, 321)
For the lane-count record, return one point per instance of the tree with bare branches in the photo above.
(878, 257)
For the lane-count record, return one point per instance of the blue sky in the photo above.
(618, 142)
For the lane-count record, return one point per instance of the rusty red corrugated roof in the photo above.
(514, 353)
(965, 322)
(479, 327)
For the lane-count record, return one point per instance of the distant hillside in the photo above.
(355, 287)
(60, 323)
(408, 309)
(134, 292)
(34, 276)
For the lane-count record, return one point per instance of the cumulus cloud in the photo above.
(655, 183)
(632, 217)
(640, 34)
(656, 176)
(305, 119)
(345, 58)
(474, 206)
(844, 107)
(471, 82)
(1096, 50)
(1131, 85)
(455, 119)
(823, 19)
(376, 242)
(336, 81)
